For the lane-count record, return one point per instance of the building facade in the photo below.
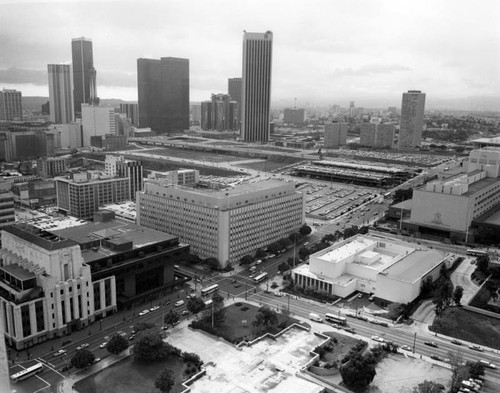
(34, 193)
(52, 166)
(83, 63)
(256, 86)
(385, 135)
(131, 169)
(295, 116)
(234, 91)
(132, 113)
(96, 121)
(81, 194)
(61, 94)
(11, 105)
(367, 133)
(46, 289)
(335, 135)
(163, 91)
(7, 213)
(412, 119)
(196, 113)
(225, 224)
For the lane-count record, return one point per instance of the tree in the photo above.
(83, 359)
(427, 287)
(427, 387)
(305, 230)
(117, 344)
(459, 371)
(195, 305)
(294, 236)
(212, 263)
(476, 369)
(260, 253)
(150, 346)
(139, 326)
(165, 381)
(190, 357)
(246, 260)
(171, 317)
(218, 304)
(283, 267)
(358, 373)
(265, 318)
(457, 294)
(483, 263)
(303, 252)
(402, 195)
(274, 248)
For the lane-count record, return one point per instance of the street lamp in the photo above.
(414, 341)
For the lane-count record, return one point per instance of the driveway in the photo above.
(462, 276)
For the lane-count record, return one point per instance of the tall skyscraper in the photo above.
(234, 90)
(11, 105)
(97, 121)
(163, 90)
(412, 119)
(60, 94)
(256, 86)
(83, 63)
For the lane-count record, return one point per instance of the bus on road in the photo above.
(208, 290)
(336, 319)
(476, 253)
(260, 277)
(28, 372)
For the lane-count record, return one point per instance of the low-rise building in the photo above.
(385, 267)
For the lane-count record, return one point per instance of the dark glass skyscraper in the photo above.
(83, 63)
(234, 90)
(163, 94)
(256, 86)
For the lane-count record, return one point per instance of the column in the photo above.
(102, 287)
(33, 326)
(74, 284)
(113, 292)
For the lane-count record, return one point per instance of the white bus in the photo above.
(260, 277)
(476, 253)
(28, 372)
(208, 290)
(336, 319)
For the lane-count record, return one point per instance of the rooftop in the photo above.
(41, 238)
(18, 271)
(414, 265)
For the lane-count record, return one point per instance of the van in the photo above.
(179, 303)
(259, 261)
(315, 317)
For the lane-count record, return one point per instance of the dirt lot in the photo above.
(398, 374)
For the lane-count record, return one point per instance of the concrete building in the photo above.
(256, 86)
(11, 105)
(4, 364)
(385, 135)
(163, 90)
(181, 177)
(61, 94)
(412, 120)
(219, 114)
(96, 121)
(206, 115)
(26, 140)
(388, 268)
(234, 91)
(367, 134)
(447, 207)
(335, 135)
(83, 63)
(196, 113)
(295, 116)
(52, 166)
(81, 194)
(226, 224)
(46, 289)
(7, 214)
(131, 169)
(34, 193)
(68, 135)
(132, 113)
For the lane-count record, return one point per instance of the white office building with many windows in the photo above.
(226, 224)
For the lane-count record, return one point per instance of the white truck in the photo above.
(315, 317)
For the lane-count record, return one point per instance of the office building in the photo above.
(83, 63)
(52, 166)
(181, 177)
(412, 120)
(123, 125)
(47, 289)
(352, 109)
(67, 136)
(335, 135)
(163, 91)
(4, 364)
(132, 113)
(196, 113)
(81, 194)
(226, 224)
(11, 105)
(367, 133)
(46, 108)
(385, 135)
(131, 169)
(96, 121)
(295, 116)
(26, 140)
(234, 91)
(222, 116)
(449, 206)
(206, 115)
(34, 193)
(385, 267)
(256, 86)
(7, 214)
(61, 93)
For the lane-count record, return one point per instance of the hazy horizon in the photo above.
(324, 53)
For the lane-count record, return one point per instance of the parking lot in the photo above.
(45, 382)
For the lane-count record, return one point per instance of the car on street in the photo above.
(179, 303)
(456, 342)
(82, 346)
(350, 330)
(97, 360)
(154, 308)
(167, 303)
(476, 348)
(131, 337)
(185, 312)
(251, 275)
(378, 339)
(143, 312)
(336, 326)
(103, 345)
(431, 344)
(278, 294)
(406, 348)
(59, 353)
(435, 357)
(487, 364)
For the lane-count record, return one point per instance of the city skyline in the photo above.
(324, 52)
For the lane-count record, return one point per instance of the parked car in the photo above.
(82, 346)
(435, 357)
(185, 312)
(179, 303)
(431, 344)
(103, 345)
(143, 312)
(456, 342)
(154, 308)
(406, 348)
(378, 339)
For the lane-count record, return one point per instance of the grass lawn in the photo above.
(129, 376)
(469, 326)
(341, 348)
(235, 330)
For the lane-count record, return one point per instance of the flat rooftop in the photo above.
(340, 253)
(414, 265)
(18, 271)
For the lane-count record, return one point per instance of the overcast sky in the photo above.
(325, 52)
